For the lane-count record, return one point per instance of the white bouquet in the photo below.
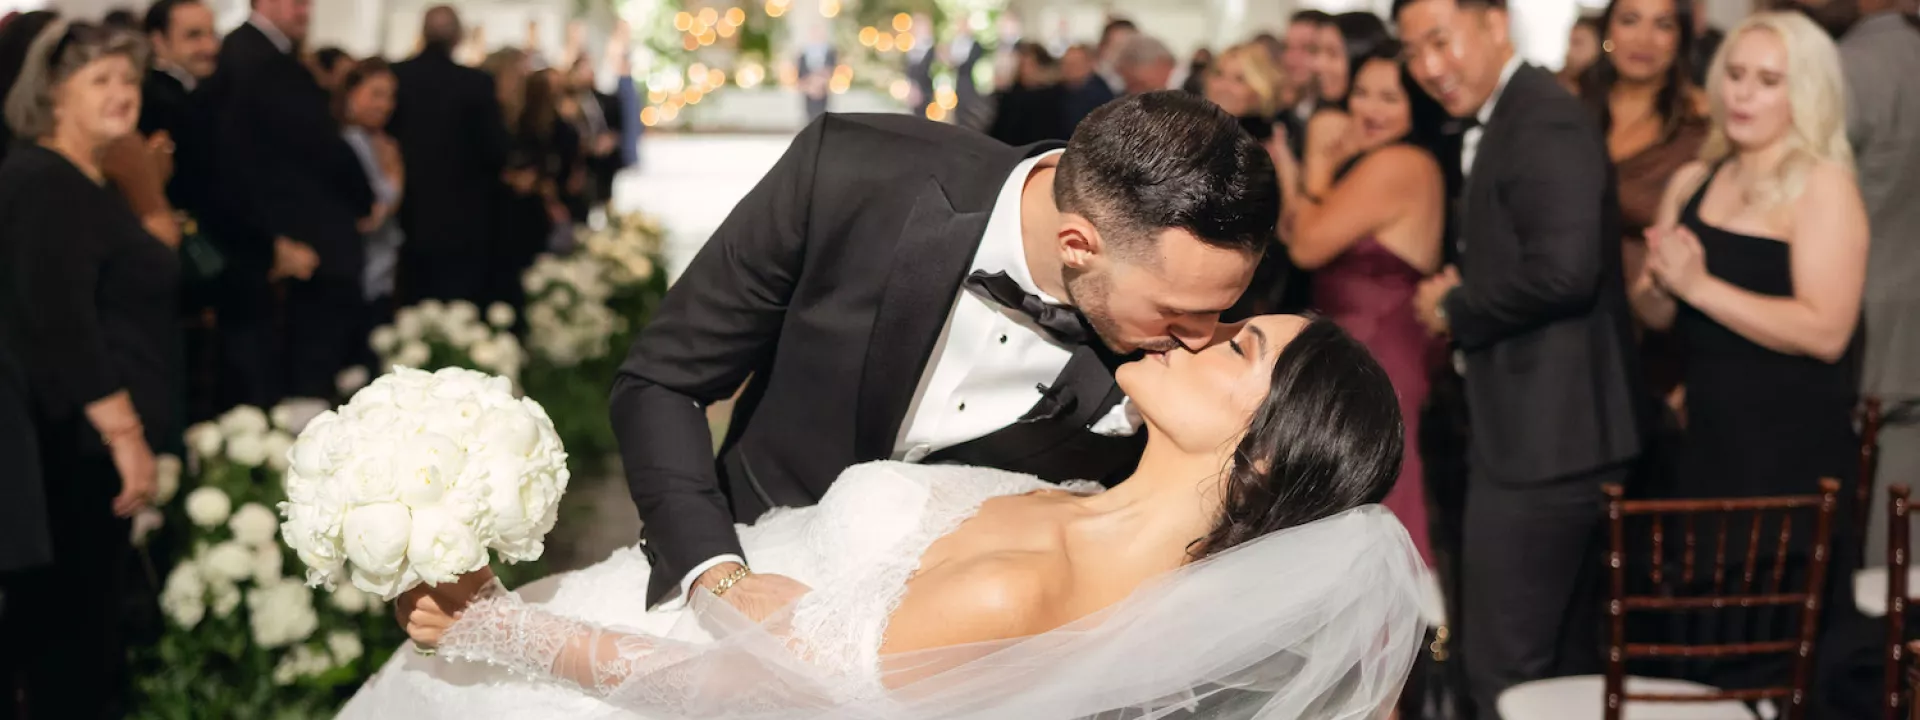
(417, 476)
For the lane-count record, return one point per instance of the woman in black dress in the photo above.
(1756, 264)
(91, 296)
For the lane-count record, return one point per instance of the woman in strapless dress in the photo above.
(1366, 212)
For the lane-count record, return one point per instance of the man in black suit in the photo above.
(185, 49)
(890, 288)
(448, 123)
(291, 194)
(1538, 314)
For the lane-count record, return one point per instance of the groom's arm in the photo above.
(716, 326)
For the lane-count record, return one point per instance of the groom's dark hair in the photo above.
(1169, 160)
(1327, 439)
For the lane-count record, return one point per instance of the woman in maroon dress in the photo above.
(1366, 213)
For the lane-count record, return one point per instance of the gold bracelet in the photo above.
(730, 580)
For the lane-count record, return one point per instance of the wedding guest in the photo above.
(600, 126)
(546, 152)
(1757, 263)
(449, 124)
(1655, 120)
(1197, 70)
(816, 65)
(1365, 215)
(15, 38)
(1297, 63)
(1537, 311)
(1879, 48)
(1246, 84)
(364, 105)
(185, 50)
(292, 195)
(1084, 90)
(1145, 65)
(1583, 48)
(91, 295)
(330, 66)
(1114, 38)
(1030, 110)
(1344, 42)
(1706, 43)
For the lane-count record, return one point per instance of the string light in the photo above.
(736, 16)
(829, 8)
(946, 98)
(694, 95)
(709, 16)
(656, 97)
(868, 35)
(899, 89)
(750, 76)
(708, 37)
(690, 42)
(716, 78)
(775, 8)
(883, 43)
(650, 116)
(903, 42)
(936, 113)
(902, 22)
(725, 30)
(682, 21)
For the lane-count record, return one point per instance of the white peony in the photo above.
(500, 315)
(253, 525)
(247, 449)
(244, 420)
(166, 478)
(278, 445)
(207, 507)
(376, 541)
(228, 562)
(204, 439)
(442, 549)
(184, 596)
(281, 613)
(344, 646)
(351, 600)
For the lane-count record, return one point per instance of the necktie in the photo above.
(1460, 126)
(1062, 323)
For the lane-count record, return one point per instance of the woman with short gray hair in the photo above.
(90, 295)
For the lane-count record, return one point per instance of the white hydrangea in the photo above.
(244, 420)
(383, 340)
(183, 598)
(247, 449)
(208, 506)
(351, 600)
(301, 662)
(413, 353)
(205, 440)
(254, 525)
(281, 613)
(226, 597)
(417, 477)
(500, 315)
(268, 563)
(277, 443)
(344, 646)
(227, 562)
(166, 478)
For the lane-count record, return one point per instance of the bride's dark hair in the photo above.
(1327, 439)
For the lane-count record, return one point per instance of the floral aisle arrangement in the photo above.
(243, 638)
(434, 335)
(583, 310)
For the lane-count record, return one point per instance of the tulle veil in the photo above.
(1317, 621)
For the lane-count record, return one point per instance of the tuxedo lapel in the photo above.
(932, 257)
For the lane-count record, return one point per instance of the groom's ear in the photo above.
(1079, 242)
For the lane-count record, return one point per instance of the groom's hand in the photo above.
(757, 596)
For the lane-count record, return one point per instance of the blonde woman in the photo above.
(1244, 82)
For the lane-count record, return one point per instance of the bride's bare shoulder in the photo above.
(991, 597)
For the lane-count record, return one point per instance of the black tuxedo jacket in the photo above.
(282, 167)
(1541, 313)
(447, 121)
(828, 286)
(167, 106)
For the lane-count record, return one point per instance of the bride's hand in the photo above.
(757, 596)
(427, 612)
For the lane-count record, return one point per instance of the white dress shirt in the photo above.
(1470, 142)
(990, 362)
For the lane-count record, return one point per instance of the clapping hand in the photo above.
(426, 612)
(1427, 299)
(1676, 260)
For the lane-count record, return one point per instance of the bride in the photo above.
(1243, 571)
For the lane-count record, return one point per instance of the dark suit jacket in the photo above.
(282, 168)
(447, 121)
(1541, 312)
(828, 286)
(167, 106)
(25, 538)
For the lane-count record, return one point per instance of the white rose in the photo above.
(345, 647)
(144, 524)
(204, 440)
(244, 420)
(376, 538)
(166, 478)
(408, 325)
(383, 339)
(500, 315)
(279, 447)
(413, 353)
(253, 525)
(207, 507)
(184, 596)
(268, 563)
(442, 549)
(247, 450)
(226, 597)
(281, 613)
(424, 466)
(228, 562)
(351, 600)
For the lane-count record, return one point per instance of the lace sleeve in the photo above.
(750, 667)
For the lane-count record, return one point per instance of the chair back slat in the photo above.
(1898, 534)
(1758, 586)
(1869, 413)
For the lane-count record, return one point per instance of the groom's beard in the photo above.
(1092, 294)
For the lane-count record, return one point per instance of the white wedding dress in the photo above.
(856, 550)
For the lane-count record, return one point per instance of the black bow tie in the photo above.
(1062, 323)
(1460, 126)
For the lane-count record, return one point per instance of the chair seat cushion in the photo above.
(1584, 697)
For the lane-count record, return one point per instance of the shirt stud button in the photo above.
(1003, 339)
(963, 407)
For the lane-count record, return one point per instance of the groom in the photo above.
(901, 289)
